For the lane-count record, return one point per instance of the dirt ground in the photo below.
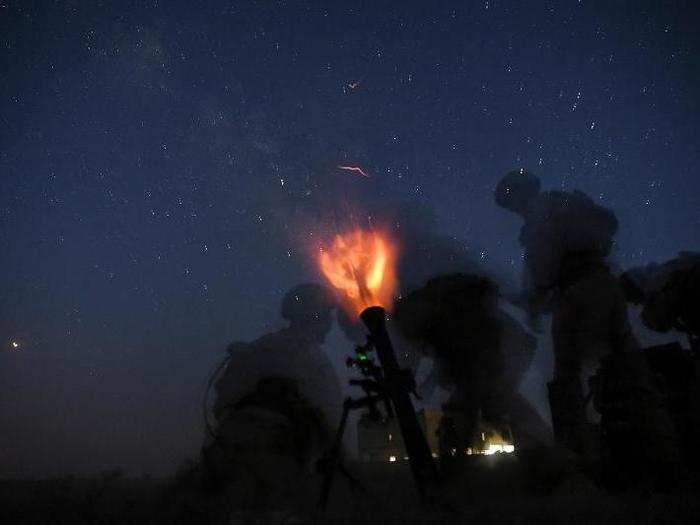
(541, 488)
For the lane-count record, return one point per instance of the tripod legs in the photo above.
(332, 461)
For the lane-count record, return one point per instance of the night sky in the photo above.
(166, 169)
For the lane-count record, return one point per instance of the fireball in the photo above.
(360, 265)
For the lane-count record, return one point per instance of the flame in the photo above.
(360, 264)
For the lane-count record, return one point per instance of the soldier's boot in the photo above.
(569, 422)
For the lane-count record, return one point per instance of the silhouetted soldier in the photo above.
(275, 404)
(566, 239)
(669, 293)
(480, 354)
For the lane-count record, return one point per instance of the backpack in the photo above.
(583, 225)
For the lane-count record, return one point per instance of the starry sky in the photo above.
(167, 167)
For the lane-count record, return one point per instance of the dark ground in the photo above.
(487, 490)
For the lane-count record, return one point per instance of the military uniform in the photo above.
(566, 238)
(670, 294)
(480, 354)
(276, 403)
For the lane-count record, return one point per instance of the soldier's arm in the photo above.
(236, 377)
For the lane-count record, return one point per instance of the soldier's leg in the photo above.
(464, 408)
(566, 398)
(530, 430)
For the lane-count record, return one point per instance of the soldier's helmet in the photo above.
(307, 303)
(632, 284)
(516, 190)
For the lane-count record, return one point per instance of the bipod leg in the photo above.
(354, 483)
(331, 459)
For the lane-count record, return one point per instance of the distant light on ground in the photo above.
(492, 448)
(14, 345)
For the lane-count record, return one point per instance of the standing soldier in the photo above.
(566, 239)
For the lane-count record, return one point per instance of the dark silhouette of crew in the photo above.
(480, 355)
(275, 404)
(566, 238)
(669, 293)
